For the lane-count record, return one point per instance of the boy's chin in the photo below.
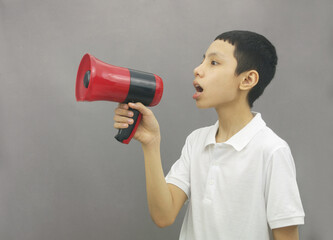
(201, 105)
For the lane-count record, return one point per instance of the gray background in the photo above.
(64, 176)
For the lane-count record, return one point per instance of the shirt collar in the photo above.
(242, 137)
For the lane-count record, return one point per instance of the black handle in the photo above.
(125, 135)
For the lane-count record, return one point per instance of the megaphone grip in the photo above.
(125, 135)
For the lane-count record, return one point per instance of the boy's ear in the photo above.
(249, 80)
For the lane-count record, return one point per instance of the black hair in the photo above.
(253, 52)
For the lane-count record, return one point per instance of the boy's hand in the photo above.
(148, 131)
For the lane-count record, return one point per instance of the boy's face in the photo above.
(218, 84)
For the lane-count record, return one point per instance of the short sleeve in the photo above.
(283, 202)
(179, 173)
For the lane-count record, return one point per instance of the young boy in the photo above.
(238, 176)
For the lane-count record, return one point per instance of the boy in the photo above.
(238, 176)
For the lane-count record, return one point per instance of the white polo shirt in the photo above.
(239, 189)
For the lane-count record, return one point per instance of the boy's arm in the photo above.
(286, 233)
(164, 200)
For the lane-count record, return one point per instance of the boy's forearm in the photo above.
(158, 194)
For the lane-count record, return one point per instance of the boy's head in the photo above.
(236, 69)
(252, 52)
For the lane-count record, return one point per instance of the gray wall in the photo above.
(64, 176)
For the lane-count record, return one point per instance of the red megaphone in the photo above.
(99, 81)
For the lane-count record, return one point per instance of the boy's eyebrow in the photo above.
(214, 54)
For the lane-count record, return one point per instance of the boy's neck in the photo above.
(231, 120)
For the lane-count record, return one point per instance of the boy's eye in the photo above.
(214, 63)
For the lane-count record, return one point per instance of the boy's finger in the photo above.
(120, 119)
(123, 112)
(120, 125)
(123, 105)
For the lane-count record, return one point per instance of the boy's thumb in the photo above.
(140, 107)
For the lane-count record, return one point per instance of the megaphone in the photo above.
(99, 81)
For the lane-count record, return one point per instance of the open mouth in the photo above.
(198, 88)
(198, 92)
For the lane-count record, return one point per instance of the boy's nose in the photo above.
(198, 71)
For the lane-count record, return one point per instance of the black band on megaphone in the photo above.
(142, 87)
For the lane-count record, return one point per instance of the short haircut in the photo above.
(253, 52)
